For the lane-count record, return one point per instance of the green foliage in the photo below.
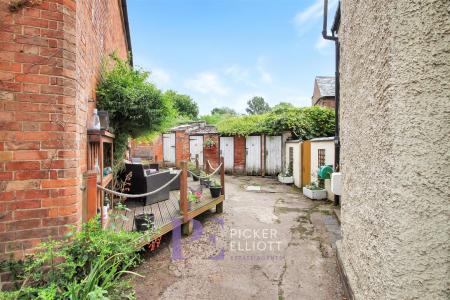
(214, 119)
(242, 125)
(135, 106)
(87, 265)
(257, 106)
(183, 104)
(223, 111)
(303, 122)
(283, 106)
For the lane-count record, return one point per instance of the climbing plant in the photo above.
(302, 122)
(136, 107)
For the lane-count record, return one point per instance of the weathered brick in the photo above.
(6, 116)
(33, 194)
(11, 126)
(24, 175)
(23, 165)
(32, 78)
(51, 89)
(12, 67)
(18, 185)
(38, 213)
(20, 145)
(32, 116)
(58, 183)
(30, 155)
(6, 176)
(30, 21)
(10, 86)
(26, 204)
(6, 155)
(37, 233)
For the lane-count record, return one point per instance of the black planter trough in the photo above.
(194, 177)
(215, 191)
(144, 222)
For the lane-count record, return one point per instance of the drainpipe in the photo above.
(334, 38)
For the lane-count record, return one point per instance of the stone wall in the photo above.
(50, 56)
(395, 160)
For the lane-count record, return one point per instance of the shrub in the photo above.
(88, 264)
(135, 106)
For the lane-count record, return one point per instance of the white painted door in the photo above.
(273, 155)
(169, 147)
(196, 147)
(227, 151)
(253, 155)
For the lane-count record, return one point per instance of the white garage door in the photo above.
(273, 155)
(253, 155)
(169, 147)
(227, 151)
(196, 147)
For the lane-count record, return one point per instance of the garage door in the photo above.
(253, 155)
(196, 147)
(227, 151)
(169, 147)
(273, 155)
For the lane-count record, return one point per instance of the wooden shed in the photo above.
(322, 153)
(293, 160)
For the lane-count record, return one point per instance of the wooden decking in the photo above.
(166, 212)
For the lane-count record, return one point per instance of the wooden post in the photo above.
(91, 202)
(184, 205)
(208, 169)
(219, 207)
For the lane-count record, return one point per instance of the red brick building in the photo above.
(323, 94)
(50, 57)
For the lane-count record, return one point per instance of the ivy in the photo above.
(303, 122)
(135, 106)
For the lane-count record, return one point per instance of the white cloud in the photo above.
(312, 13)
(206, 83)
(237, 73)
(265, 76)
(160, 77)
(322, 43)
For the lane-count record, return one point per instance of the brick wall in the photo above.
(150, 150)
(50, 57)
(239, 155)
(327, 102)
(212, 154)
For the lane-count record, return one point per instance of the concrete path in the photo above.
(277, 244)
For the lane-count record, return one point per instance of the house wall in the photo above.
(49, 62)
(239, 155)
(394, 148)
(327, 102)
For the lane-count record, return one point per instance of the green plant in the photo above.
(215, 184)
(87, 263)
(194, 196)
(314, 186)
(183, 104)
(135, 106)
(209, 143)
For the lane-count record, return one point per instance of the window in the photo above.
(321, 155)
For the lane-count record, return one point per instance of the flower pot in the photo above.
(194, 177)
(215, 191)
(144, 222)
(205, 182)
(286, 179)
(315, 194)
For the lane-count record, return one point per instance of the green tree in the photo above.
(184, 104)
(283, 106)
(223, 111)
(257, 105)
(135, 106)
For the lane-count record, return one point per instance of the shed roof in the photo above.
(325, 85)
(207, 129)
(323, 139)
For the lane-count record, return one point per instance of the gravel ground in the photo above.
(276, 244)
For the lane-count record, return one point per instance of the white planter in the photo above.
(286, 179)
(315, 194)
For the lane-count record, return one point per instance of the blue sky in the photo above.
(224, 52)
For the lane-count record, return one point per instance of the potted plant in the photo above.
(193, 197)
(313, 191)
(215, 188)
(205, 181)
(286, 177)
(144, 221)
(194, 172)
(209, 143)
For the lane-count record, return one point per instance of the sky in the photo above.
(224, 52)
